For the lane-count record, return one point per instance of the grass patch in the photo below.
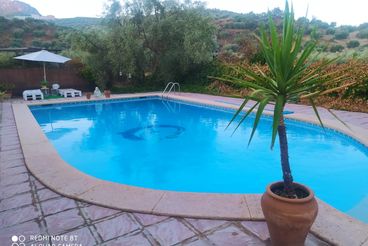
(53, 97)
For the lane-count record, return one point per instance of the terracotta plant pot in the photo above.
(107, 93)
(88, 95)
(288, 220)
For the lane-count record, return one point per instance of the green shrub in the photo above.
(330, 31)
(6, 59)
(322, 48)
(6, 87)
(353, 44)
(258, 58)
(231, 47)
(224, 34)
(46, 44)
(18, 33)
(39, 33)
(315, 35)
(362, 34)
(87, 73)
(336, 48)
(16, 42)
(357, 91)
(36, 42)
(347, 28)
(341, 35)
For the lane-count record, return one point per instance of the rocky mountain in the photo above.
(13, 8)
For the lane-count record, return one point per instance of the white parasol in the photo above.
(43, 56)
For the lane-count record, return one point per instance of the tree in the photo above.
(151, 39)
(175, 37)
(290, 78)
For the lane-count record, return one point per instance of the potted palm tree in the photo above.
(289, 208)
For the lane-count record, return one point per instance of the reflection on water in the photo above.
(158, 132)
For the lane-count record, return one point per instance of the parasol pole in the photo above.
(44, 72)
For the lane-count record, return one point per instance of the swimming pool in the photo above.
(172, 145)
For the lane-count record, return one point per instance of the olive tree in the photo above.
(150, 39)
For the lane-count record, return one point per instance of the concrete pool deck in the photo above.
(43, 162)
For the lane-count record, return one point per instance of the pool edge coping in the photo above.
(331, 224)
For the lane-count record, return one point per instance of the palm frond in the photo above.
(291, 74)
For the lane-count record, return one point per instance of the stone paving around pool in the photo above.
(351, 118)
(29, 209)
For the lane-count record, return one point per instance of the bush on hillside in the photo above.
(315, 34)
(341, 35)
(36, 42)
(336, 48)
(330, 31)
(353, 44)
(362, 34)
(347, 28)
(224, 34)
(18, 33)
(16, 43)
(39, 33)
(231, 47)
(322, 48)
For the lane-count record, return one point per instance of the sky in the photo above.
(352, 12)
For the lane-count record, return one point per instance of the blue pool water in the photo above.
(171, 145)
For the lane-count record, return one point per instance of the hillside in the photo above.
(77, 22)
(30, 32)
(236, 34)
(10, 8)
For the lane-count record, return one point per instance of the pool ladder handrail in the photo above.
(169, 87)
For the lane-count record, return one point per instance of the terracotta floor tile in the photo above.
(10, 147)
(57, 205)
(134, 240)
(199, 242)
(116, 227)
(64, 221)
(26, 229)
(12, 190)
(95, 212)
(13, 171)
(259, 228)
(313, 241)
(8, 155)
(11, 152)
(38, 184)
(81, 236)
(148, 219)
(14, 179)
(232, 236)
(170, 232)
(16, 201)
(10, 164)
(205, 225)
(46, 194)
(9, 130)
(12, 217)
(10, 141)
